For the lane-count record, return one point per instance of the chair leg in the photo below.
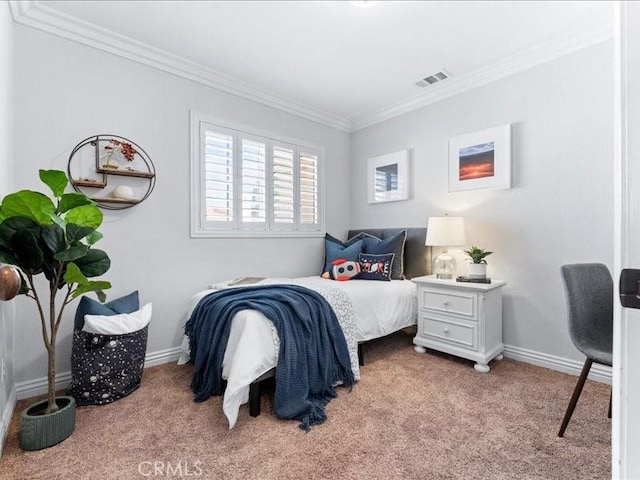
(610, 398)
(576, 394)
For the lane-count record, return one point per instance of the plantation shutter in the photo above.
(219, 172)
(309, 191)
(254, 183)
(283, 187)
(248, 183)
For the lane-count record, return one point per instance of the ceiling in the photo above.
(330, 57)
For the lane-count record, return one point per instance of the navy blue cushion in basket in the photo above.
(375, 267)
(88, 306)
(334, 249)
(394, 244)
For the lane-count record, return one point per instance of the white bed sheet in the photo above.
(380, 308)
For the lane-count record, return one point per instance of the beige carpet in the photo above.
(411, 416)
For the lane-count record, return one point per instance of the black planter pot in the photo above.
(39, 430)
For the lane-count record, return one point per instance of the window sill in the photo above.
(255, 234)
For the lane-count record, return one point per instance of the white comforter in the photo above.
(378, 309)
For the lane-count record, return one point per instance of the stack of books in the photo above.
(473, 280)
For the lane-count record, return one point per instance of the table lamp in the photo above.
(445, 232)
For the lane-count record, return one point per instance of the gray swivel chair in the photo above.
(589, 297)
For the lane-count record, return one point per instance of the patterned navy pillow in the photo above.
(375, 267)
(393, 244)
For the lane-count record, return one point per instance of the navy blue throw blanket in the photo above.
(313, 353)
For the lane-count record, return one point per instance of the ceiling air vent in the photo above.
(431, 79)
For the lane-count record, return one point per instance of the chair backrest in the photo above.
(589, 296)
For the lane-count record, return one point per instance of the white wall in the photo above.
(66, 92)
(7, 394)
(560, 208)
(625, 428)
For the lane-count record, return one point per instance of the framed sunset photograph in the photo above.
(480, 160)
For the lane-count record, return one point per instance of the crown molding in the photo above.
(523, 60)
(47, 19)
(19, 8)
(32, 14)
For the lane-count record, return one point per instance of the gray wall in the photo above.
(7, 309)
(66, 92)
(560, 208)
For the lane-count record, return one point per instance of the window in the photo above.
(247, 183)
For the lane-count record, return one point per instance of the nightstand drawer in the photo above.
(456, 333)
(457, 303)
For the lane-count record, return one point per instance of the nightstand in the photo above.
(460, 318)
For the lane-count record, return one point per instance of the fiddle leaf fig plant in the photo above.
(53, 236)
(477, 255)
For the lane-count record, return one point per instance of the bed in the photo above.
(366, 310)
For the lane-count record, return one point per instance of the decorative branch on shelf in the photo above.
(124, 149)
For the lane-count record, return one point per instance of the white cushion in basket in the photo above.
(118, 324)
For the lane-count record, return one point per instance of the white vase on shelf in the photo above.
(122, 192)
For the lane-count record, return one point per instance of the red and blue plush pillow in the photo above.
(345, 269)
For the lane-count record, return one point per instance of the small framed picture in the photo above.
(480, 160)
(388, 177)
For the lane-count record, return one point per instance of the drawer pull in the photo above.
(446, 303)
(446, 330)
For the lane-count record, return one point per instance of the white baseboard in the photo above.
(599, 373)
(38, 386)
(5, 421)
(162, 356)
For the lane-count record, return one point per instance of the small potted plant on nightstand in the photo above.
(478, 265)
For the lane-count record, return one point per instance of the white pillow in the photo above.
(118, 324)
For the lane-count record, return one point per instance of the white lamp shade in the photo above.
(445, 232)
